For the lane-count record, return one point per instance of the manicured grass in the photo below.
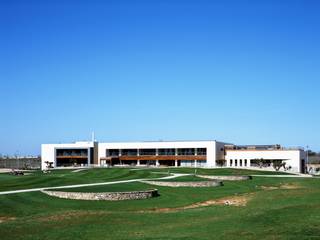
(67, 177)
(269, 214)
(219, 171)
(123, 187)
(190, 178)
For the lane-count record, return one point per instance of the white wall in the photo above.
(47, 154)
(293, 156)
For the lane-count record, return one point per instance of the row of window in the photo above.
(161, 151)
(71, 152)
(241, 162)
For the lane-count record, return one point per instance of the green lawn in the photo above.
(269, 214)
(219, 171)
(190, 178)
(67, 177)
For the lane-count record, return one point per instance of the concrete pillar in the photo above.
(157, 154)
(176, 163)
(195, 153)
(138, 154)
(89, 156)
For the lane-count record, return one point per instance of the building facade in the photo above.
(207, 154)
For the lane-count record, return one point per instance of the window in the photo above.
(230, 162)
(72, 152)
(240, 163)
(129, 152)
(235, 162)
(113, 152)
(186, 151)
(201, 163)
(167, 151)
(245, 162)
(147, 152)
(201, 151)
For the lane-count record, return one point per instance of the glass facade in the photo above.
(147, 152)
(167, 151)
(186, 151)
(113, 152)
(72, 152)
(153, 151)
(201, 151)
(72, 157)
(129, 152)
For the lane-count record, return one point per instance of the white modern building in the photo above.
(207, 154)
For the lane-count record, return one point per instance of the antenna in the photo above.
(92, 136)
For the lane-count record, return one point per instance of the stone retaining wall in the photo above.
(229, 178)
(185, 184)
(108, 196)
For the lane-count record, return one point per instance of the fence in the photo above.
(20, 163)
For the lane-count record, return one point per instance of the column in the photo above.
(157, 154)
(89, 156)
(196, 154)
(120, 154)
(138, 154)
(176, 154)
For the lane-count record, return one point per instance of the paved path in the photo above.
(282, 176)
(174, 175)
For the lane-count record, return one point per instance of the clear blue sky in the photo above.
(245, 72)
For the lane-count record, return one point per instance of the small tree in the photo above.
(277, 164)
(48, 164)
(259, 161)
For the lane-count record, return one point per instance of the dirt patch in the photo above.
(6, 219)
(282, 186)
(269, 187)
(290, 186)
(69, 215)
(238, 201)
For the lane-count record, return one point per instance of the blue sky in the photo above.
(245, 72)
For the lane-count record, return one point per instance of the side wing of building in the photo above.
(294, 159)
(68, 155)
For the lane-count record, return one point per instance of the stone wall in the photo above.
(222, 178)
(185, 184)
(108, 196)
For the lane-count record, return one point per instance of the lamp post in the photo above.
(307, 158)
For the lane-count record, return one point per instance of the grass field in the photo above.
(68, 177)
(219, 171)
(276, 208)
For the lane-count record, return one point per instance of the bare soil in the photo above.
(238, 201)
(6, 218)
